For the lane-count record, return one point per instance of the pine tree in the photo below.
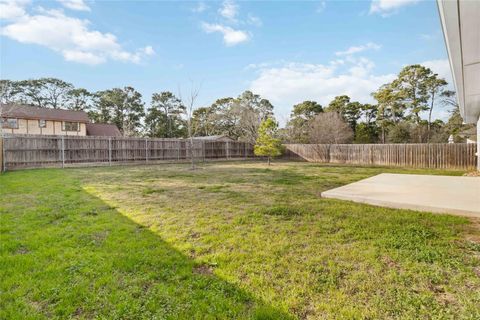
(267, 144)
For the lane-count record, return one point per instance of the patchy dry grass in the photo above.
(229, 240)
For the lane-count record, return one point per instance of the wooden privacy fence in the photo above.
(437, 155)
(32, 151)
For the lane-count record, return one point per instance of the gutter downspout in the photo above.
(478, 144)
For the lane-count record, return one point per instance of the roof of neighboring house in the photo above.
(472, 131)
(29, 112)
(217, 137)
(103, 130)
(470, 134)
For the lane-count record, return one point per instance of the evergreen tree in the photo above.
(164, 117)
(122, 107)
(302, 114)
(412, 85)
(267, 144)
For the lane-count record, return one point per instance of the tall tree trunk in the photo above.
(430, 115)
(192, 156)
(268, 160)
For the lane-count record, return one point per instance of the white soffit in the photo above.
(461, 29)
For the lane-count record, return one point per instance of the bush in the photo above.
(400, 133)
(365, 133)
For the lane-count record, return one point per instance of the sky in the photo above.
(286, 51)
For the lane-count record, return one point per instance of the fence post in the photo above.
(203, 149)
(146, 150)
(478, 143)
(3, 163)
(178, 150)
(226, 149)
(329, 156)
(63, 152)
(109, 151)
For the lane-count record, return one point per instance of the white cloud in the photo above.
(440, 67)
(426, 36)
(254, 20)
(357, 49)
(229, 26)
(321, 6)
(286, 84)
(83, 57)
(201, 6)
(148, 50)
(231, 36)
(78, 5)
(71, 37)
(292, 83)
(388, 7)
(229, 10)
(12, 9)
(263, 65)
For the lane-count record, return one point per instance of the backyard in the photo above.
(230, 240)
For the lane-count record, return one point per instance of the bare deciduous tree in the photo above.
(189, 103)
(9, 91)
(330, 128)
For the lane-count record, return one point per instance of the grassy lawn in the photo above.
(229, 240)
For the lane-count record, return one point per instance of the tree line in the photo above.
(166, 116)
(394, 118)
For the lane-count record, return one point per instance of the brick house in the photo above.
(25, 119)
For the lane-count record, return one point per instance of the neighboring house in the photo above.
(219, 138)
(24, 119)
(103, 130)
(469, 134)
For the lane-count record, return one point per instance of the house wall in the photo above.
(49, 128)
(31, 126)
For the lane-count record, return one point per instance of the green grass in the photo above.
(229, 240)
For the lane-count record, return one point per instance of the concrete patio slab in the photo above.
(440, 194)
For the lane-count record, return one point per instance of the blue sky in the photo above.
(287, 51)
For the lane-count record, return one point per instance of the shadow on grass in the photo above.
(67, 254)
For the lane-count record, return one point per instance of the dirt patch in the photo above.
(472, 231)
(37, 306)
(389, 262)
(203, 269)
(194, 235)
(40, 307)
(22, 250)
(472, 174)
(446, 298)
(78, 312)
(477, 271)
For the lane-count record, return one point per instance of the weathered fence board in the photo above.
(1, 154)
(33, 151)
(438, 156)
